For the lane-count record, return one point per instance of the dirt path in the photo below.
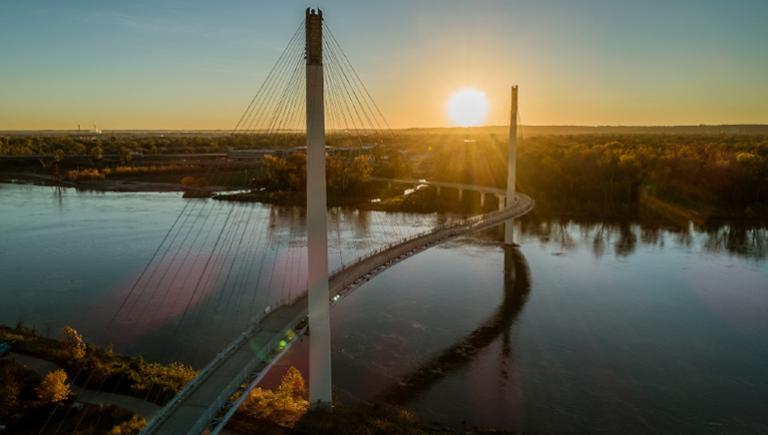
(134, 404)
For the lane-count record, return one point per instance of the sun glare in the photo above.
(467, 107)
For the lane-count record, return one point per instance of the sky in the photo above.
(152, 64)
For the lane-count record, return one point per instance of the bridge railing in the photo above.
(470, 221)
(223, 398)
(203, 374)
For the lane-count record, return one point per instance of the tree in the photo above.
(76, 148)
(9, 394)
(53, 388)
(75, 343)
(125, 155)
(58, 155)
(284, 406)
(292, 385)
(97, 153)
(168, 378)
(131, 426)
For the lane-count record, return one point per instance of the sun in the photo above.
(467, 107)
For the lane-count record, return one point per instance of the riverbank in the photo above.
(95, 367)
(106, 185)
(71, 407)
(424, 200)
(133, 404)
(35, 397)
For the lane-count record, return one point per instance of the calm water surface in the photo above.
(607, 327)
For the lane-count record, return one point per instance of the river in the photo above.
(587, 327)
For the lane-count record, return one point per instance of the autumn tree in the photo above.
(74, 342)
(132, 426)
(284, 406)
(53, 388)
(168, 378)
(10, 389)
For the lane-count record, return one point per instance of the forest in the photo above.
(712, 173)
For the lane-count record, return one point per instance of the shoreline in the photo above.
(649, 209)
(136, 405)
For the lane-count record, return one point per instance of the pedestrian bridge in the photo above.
(206, 401)
(440, 184)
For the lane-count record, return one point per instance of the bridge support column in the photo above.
(509, 235)
(482, 199)
(317, 226)
(461, 194)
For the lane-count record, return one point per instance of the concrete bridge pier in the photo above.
(509, 234)
(317, 226)
(482, 199)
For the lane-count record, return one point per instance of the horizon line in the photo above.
(103, 131)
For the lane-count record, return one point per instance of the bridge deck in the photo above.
(202, 399)
(460, 186)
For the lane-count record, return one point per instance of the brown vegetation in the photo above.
(53, 389)
(284, 407)
(85, 174)
(132, 426)
(100, 367)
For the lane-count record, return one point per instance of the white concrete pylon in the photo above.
(509, 234)
(320, 392)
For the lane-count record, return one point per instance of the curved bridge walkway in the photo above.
(205, 401)
(458, 186)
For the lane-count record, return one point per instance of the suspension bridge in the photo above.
(207, 257)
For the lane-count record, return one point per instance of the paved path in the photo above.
(201, 400)
(84, 395)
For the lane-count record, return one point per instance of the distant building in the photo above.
(94, 131)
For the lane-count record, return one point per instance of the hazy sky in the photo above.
(195, 64)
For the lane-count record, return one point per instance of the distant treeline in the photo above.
(700, 171)
(723, 172)
(177, 142)
(21, 145)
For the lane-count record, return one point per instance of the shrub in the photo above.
(167, 378)
(84, 174)
(194, 182)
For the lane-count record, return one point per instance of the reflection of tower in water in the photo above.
(517, 288)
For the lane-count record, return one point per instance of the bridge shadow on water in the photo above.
(517, 288)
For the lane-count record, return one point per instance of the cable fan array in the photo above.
(276, 115)
(222, 265)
